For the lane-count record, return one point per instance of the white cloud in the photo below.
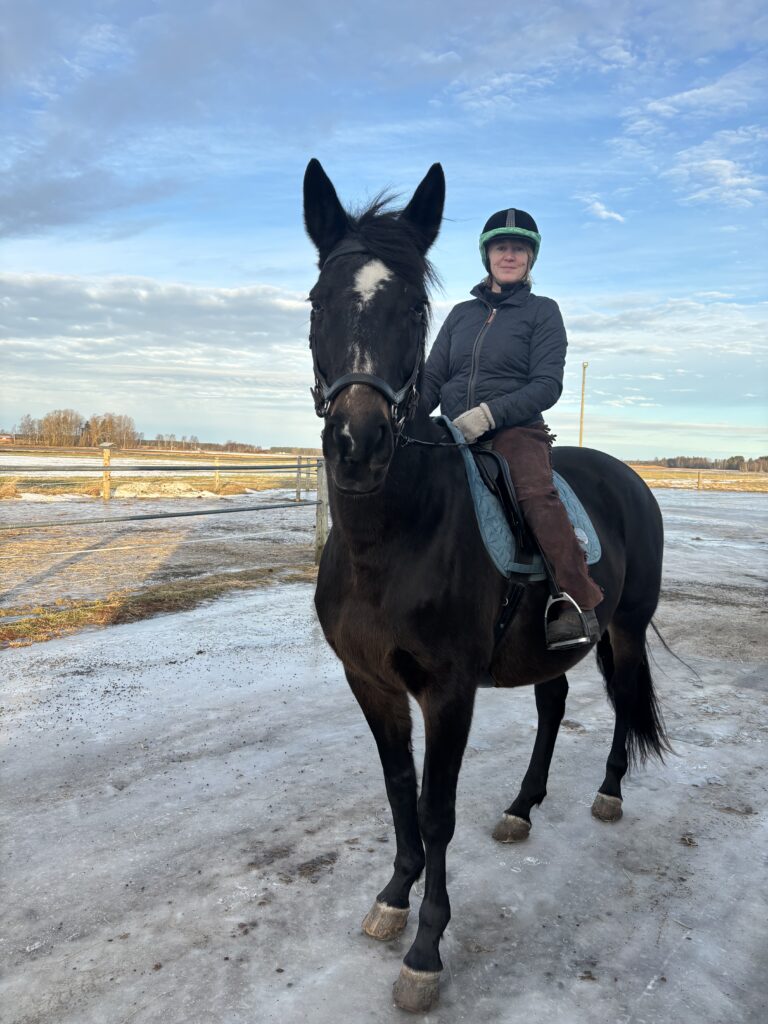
(722, 169)
(736, 90)
(664, 329)
(715, 180)
(616, 55)
(158, 351)
(598, 209)
(430, 57)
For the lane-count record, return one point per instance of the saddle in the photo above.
(507, 539)
(494, 472)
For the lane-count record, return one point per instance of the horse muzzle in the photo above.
(358, 440)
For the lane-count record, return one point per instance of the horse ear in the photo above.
(425, 210)
(325, 218)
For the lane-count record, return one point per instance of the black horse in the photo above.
(406, 594)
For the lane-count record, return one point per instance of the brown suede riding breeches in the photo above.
(528, 453)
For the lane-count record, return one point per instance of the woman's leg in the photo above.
(527, 451)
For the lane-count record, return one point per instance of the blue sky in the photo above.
(154, 261)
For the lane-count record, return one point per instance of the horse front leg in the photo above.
(389, 716)
(515, 823)
(447, 722)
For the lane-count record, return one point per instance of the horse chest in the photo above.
(364, 634)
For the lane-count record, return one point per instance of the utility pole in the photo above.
(583, 390)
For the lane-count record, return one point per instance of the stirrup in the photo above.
(577, 641)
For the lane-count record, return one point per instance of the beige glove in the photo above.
(475, 422)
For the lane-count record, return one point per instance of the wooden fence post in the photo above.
(298, 479)
(321, 514)
(216, 475)
(698, 482)
(106, 476)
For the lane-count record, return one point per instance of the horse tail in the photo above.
(646, 732)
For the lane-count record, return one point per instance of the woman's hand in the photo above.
(475, 422)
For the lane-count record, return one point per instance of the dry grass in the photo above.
(9, 488)
(704, 479)
(65, 616)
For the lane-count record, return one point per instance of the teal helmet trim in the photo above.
(531, 236)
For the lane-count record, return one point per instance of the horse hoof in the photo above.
(511, 829)
(607, 808)
(383, 922)
(416, 991)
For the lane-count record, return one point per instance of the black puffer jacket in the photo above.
(510, 356)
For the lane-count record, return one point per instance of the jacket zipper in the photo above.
(476, 357)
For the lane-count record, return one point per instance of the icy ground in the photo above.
(195, 824)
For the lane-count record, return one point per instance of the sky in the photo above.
(153, 259)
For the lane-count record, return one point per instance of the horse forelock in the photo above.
(393, 241)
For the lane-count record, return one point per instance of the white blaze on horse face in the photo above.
(369, 279)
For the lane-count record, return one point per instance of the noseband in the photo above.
(402, 403)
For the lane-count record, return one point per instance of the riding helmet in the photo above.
(510, 222)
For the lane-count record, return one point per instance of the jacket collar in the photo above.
(517, 296)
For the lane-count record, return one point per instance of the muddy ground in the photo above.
(195, 824)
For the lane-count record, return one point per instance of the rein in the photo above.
(403, 402)
(405, 440)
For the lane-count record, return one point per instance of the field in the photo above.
(196, 822)
(22, 481)
(703, 479)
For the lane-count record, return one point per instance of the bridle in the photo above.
(402, 403)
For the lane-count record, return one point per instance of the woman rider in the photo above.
(496, 364)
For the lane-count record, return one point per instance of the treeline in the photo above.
(194, 444)
(735, 462)
(66, 428)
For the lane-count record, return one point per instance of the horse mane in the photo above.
(393, 240)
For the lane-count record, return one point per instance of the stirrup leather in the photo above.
(578, 641)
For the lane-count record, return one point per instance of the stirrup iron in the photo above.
(561, 645)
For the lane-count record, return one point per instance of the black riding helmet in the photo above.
(510, 222)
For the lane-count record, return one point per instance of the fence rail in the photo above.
(99, 467)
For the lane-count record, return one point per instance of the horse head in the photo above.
(369, 320)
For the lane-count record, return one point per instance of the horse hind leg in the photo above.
(515, 823)
(639, 729)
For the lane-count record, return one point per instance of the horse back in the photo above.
(627, 518)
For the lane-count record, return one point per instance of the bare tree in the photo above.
(62, 427)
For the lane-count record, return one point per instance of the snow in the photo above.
(196, 824)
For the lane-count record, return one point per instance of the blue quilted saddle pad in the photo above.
(494, 528)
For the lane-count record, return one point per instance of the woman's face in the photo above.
(509, 260)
